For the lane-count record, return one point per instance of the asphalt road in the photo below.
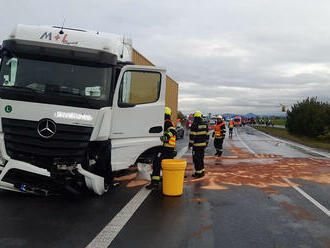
(263, 192)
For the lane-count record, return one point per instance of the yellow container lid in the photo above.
(174, 164)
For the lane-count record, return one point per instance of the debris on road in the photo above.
(262, 171)
(298, 212)
(136, 176)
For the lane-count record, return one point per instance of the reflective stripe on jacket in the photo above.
(199, 134)
(170, 134)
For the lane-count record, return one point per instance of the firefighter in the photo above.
(219, 135)
(231, 127)
(198, 140)
(167, 151)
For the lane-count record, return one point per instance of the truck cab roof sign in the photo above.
(61, 38)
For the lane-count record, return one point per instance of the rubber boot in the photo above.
(219, 154)
(154, 184)
(198, 175)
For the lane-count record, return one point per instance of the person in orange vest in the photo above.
(167, 152)
(219, 135)
(231, 127)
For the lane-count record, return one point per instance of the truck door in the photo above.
(138, 113)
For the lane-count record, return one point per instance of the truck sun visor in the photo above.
(40, 50)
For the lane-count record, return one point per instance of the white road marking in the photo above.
(247, 147)
(308, 197)
(323, 154)
(303, 193)
(111, 230)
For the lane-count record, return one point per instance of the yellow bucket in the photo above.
(173, 176)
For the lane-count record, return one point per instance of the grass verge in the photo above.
(280, 122)
(283, 133)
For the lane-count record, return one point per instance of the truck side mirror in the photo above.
(1, 51)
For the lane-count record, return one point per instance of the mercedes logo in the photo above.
(46, 128)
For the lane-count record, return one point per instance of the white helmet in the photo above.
(219, 117)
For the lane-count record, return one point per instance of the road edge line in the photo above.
(299, 190)
(308, 197)
(104, 238)
(307, 148)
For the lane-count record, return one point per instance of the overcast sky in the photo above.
(236, 56)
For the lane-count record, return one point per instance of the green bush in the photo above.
(310, 118)
(326, 135)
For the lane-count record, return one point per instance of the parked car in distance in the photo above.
(179, 130)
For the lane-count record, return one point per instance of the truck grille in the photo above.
(22, 141)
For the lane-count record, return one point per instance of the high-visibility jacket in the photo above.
(199, 133)
(220, 130)
(231, 124)
(169, 134)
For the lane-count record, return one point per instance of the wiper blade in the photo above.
(65, 92)
(21, 88)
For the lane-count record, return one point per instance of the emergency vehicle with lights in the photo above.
(238, 121)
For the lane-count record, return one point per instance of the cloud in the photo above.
(228, 56)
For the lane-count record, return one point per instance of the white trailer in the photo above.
(74, 109)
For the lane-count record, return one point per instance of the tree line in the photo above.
(310, 117)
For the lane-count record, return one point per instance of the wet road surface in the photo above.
(249, 198)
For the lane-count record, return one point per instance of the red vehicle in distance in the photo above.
(238, 121)
(189, 121)
(212, 124)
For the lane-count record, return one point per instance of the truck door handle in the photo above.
(156, 129)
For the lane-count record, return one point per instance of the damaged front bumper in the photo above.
(23, 177)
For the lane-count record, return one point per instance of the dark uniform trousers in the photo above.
(218, 142)
(230, 132)
(166, 153)
(198, 158)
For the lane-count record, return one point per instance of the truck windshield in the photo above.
(56, 82)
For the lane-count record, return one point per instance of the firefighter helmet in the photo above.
(198, 114)
(219, 117)
(168, 111)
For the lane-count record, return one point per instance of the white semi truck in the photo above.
(74, 109)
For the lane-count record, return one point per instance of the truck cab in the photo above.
(74, 109)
